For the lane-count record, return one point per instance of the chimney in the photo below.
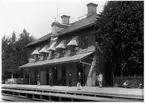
(91, 9)
(65, 19)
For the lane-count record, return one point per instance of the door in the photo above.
(43, 77)
(55, 75)
(63, 72)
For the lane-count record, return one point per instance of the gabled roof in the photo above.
(44, 38)
(83, 23)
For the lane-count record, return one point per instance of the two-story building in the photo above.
(69, 48)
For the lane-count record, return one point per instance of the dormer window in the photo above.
(61, 48)
(57, 55)
(36, 57)
(44, 53)
(36, 53)
(41, 56)
(73, 43)
(62, 52)
(68, 52)
(52, 55)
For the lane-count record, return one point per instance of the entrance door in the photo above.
(55, 75)
(43, 77)
(63, 75)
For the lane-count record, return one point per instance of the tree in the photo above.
(13, 38)
(23, 40)
(14, 54)
(120, 29)
(5, 55)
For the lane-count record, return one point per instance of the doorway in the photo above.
(55, 75)
(63, 72)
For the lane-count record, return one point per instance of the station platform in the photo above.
(113, 92)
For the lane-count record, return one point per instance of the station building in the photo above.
(69, 48)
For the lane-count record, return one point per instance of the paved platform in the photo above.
(114, 91)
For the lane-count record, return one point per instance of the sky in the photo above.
(36, 16)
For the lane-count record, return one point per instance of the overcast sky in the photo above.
(36, 16)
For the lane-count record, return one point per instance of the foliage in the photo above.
(14, 54)
(120, 28)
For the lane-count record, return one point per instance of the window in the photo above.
(62, 52)
(75, 48)
(45, 56)
(68, 52)
(41, 56)
(84, 41)
(36, 57)
(52, 55)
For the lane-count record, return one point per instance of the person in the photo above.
(79, 81)
(70, 79)
(50, 79)
(38, 80)
(100, 79)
